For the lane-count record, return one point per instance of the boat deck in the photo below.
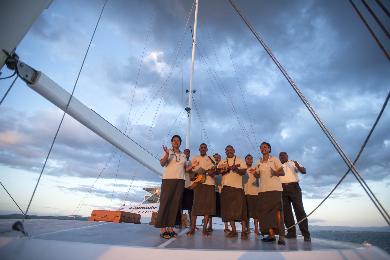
(67, 239)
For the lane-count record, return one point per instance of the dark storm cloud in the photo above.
(242, 97)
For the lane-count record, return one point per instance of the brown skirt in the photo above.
(188, 199)
(170, 201)
(233, 204)
(204, 200)
(252, 202)
(269, 206)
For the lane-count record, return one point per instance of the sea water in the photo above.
(378, 239)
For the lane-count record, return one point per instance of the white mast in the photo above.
(191, 80)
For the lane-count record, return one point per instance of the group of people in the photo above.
(233, 189)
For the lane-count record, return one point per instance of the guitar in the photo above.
(224, 168)
(201, 178)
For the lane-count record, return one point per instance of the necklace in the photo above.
(227, 161)
(176, 156)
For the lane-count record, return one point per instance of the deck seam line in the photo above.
(171, 240)
(69, 229)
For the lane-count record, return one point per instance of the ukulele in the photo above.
(201, 178)
(224, 168)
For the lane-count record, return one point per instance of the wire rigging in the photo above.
(360, 152)
(76, 211)
(368, 27)
(376, 19)
(320, 123)
(63, 116)
(173, 67)
(6, 93)
(239, 85)
(11, 197)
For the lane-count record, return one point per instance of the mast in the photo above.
(188, 109)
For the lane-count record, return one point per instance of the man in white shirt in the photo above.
(204, 192)
(292, 194)
(233, 203)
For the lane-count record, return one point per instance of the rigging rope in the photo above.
(368, 27)
(383, 7)
(139, 70)
(63, 116)
(209, 146)
(242, 93)
(9, 76)
(12, 198)
(165, 86)
(376, 19)
(320, 123)
(146, 96)
(6, 93)
(361, 150)
(76, 211)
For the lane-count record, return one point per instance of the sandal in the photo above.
(232, 234)
(209, 229)
(173, 234)
(165, 235)
(244, 235)
(268, 239)
(226, 230)
(281, 242)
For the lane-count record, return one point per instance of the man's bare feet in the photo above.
(190, 233)
(196, 228)
(206, 234)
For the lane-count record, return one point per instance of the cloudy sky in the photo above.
(136, 75)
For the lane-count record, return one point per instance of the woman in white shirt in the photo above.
(172, 187)
(268, 169)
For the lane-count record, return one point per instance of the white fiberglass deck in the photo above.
(67, 239)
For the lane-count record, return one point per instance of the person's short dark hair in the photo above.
(283, 152)
(269, 146)
(248, 155)
(229, 146)
(178, 136)
(216, 154)
(202, 144)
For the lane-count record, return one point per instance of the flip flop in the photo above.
(209, 229)
(165, 235)
(173, 234)
(206, 234)
(268, 239)
(232, 234)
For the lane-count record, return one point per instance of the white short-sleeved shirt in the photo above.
(187, 182)
(250, 182)
(174, 169)
(233, 179)
(266, 182)
(204, 164)
(291, 172)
